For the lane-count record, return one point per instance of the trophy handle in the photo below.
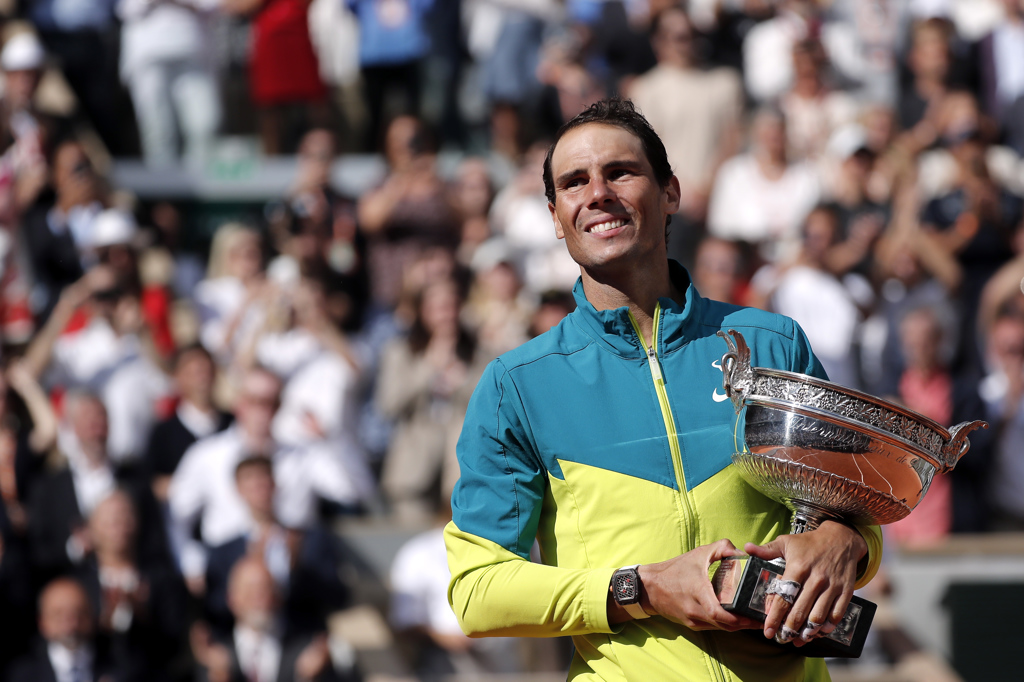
(958, 444)
(737, 376)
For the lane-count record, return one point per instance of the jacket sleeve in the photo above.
(805, 362)
(495, 590)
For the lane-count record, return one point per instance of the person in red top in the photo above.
(283, 68)
(926, 386)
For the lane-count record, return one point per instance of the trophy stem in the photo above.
(807, 516)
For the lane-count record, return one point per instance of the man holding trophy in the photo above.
(610, 440)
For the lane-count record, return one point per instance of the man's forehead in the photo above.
(595, 142)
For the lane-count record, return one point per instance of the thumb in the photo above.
(768, 551)
(720, 550)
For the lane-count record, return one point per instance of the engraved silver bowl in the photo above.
(826, 451)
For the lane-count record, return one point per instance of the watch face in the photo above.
(625, 586)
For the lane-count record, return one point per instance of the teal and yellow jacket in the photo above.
(609, 454)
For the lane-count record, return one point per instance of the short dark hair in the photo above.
(621, 113)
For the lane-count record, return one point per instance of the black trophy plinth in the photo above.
(741, 583)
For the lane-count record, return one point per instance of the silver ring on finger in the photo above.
(787, 590)
(809, 630)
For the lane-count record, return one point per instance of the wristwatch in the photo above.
(626, 588)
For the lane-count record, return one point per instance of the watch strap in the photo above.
(636, 611)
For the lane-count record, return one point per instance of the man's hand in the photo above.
(679, 589)
(824, 561)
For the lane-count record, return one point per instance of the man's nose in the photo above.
(600, 192)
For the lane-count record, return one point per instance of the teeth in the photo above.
(604, 227)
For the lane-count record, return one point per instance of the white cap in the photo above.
(22, 52)
(113, 227)
(847, 141)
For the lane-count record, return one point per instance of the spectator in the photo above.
(913, 271)
(16, 582)
(392, 45)
(257, 649)
(24, 162)
(717, 270)
(862, 218)
(496, 309)
(109, 356)
(283, 68)
(768, 47)
(69, 648)
(1001, 391)
(195, 417)
(926, 387)
(828, 309)
(424, 621)
(424, 386)
(1001, 54)
(83, 37)
(58, 231)
(520, 216)
(974, 221)
(930, 64)
(317, 236)
(203, 487)
(167, 64)
(304, 563)
(553, 308)
(409, 212)
(319, 371)
(234, 283)
(814, 109)
(140, 606)
(696, 112)
(472, 194)
(62, 502)
(762, 197)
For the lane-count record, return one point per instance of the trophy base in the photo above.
(741, 583)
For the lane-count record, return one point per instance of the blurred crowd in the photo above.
(180, 428)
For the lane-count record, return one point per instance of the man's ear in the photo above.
(559, 233)
(672, 195)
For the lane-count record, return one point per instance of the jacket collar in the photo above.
(614, 330)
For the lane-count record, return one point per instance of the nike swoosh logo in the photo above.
(715, 395)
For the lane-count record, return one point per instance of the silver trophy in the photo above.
(825, 452)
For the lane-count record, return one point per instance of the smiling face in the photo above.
(609, 207)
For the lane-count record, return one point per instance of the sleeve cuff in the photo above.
(870, 563)
(596, 595)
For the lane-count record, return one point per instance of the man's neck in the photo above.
(638, 289)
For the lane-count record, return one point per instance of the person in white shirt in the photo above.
(204, 484)
(761, 196)
(228, 299)
(109, 356)
(167, 62)
(420, 611)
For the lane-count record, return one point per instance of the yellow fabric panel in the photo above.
(495, 592)
(627, 520)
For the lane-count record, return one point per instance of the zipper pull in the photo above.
(652, 358)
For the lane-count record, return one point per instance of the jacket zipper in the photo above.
(670, 422)
(677, 455)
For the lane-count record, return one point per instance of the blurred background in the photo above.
(254, 255)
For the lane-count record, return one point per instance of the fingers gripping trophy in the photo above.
(825, 452)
